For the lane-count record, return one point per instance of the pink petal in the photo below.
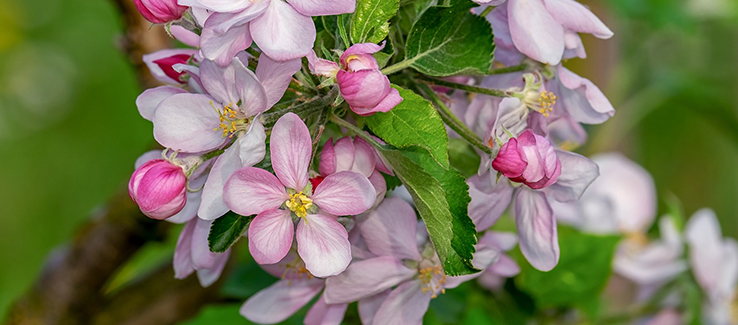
(389, 230)
(219, 82)
(406, 305)
(573, 15)
(327, 159)
(583, 100)
(324, 314)
(344, 193)
(323, 245)
(248, 150)
(705, 241)
(321, 67)
(183, 254)
(366, 278)
(380, 186)
(323, 7)
(275, 76)
(252, 191)
(208, 276)
(577, 172)
(537, 229)
(385, 105)
(252, 94)
(488, 201)
(291, 147)
(505, 266)
(535, 32)
(364, 157)
(221, 48)
(344, 151)
(185, 36)
(361, 48)
(202, 257)
(152, 97)
(226, 20)
(217, 5)
(186, 122)
(270, 236)
(280, 300)
(282, 32)
(483, 258)
(504, 241)
(368, 306)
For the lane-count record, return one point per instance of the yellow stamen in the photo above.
(227, 114)
(433, 279)
(299, 203)
(546, 102)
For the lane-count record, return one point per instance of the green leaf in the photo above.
(584, 268)
(414, 122)
(463, 157)
(369, 23)
(226, 230)
(385, 54)
(448, 41)
(441, 197)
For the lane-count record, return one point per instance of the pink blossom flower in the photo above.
(621, 200)
(651, 264)
(322, 241)
(283, 30)
(533, 214)
(544, 30)
(362, 84)
(529, 159)
(390, 234)
(159, 188)
(355, 155)
(224, 116)
(193, 254)
(714, 262)
(159, 11)
(296, 288)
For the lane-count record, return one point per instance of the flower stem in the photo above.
(473, 89)
(514, 68)
(355, 130)
(398, 66)
(486, 11)
(453, 122)
(311, 106)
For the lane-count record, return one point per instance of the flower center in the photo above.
(433, 280)
(299, 203)
(229, 123)
(543, 102)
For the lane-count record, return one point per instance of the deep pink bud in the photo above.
(362, 85)
(530, 159)
(159, 188)
(160, 11)
(166, 65)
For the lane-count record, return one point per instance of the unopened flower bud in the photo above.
(529, 159)
(159, 188)
(362, 85)
(160, 11)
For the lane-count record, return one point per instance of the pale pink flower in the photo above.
(296, 288)
(505, 267)
(621, 200)
(362, 84)
(322, 241)
(283, 30)
(225, 115)
(544, 30)
(193, 254)
(714, 262)
(390, 234)
(159, 188)
(163, 64)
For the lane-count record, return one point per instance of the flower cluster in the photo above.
(299, 137)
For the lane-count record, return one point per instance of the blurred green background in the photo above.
(69, 129)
